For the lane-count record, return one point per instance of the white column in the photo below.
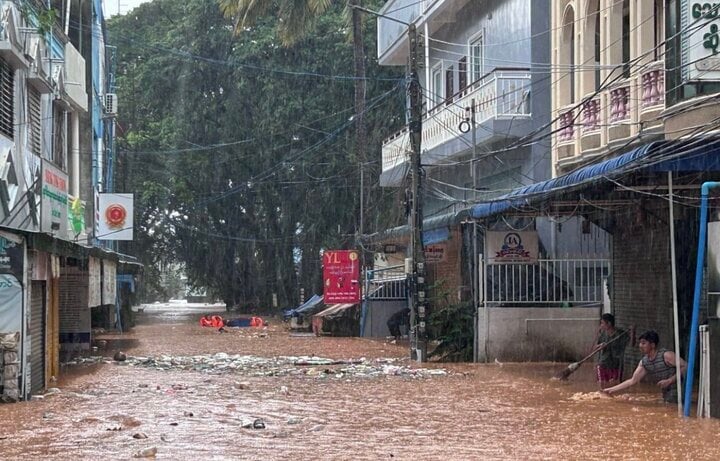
(75, 180)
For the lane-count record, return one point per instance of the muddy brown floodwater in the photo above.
(508, 411)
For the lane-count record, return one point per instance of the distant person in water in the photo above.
(399, 318)
(658, 365)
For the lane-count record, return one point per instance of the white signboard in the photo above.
(511, 247)
(54, 202)
(115, 217)
(701, 40)
(435, 253)
(94, 278)
(108, 278)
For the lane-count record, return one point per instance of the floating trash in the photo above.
(250, 365)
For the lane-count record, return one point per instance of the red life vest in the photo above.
(256, 322)
(205, 322)
(217, 321)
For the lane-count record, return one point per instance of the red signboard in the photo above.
(341, 276)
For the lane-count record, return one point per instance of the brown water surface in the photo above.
(508, 411)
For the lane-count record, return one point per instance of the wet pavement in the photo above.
(178, 396)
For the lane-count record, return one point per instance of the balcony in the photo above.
(611, 118)
(392, 46)
(11, 41)
(392, 38)
(500, 98)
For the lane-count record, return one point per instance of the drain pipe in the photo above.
(702, 242)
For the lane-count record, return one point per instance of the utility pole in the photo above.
(415, 263)
(418, 299)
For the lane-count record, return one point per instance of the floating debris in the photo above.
(250, 365)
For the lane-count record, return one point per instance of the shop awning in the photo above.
(435, 229)
(696, 154)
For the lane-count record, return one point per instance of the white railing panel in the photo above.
(549, 282)
(500, 94)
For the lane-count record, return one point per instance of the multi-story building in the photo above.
(50, 148)
(634, 136)
(486, 130)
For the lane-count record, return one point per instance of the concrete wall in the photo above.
(536, 333)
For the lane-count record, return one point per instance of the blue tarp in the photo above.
(522, 196)
(306, 307)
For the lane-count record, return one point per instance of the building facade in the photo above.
(634, 138)
(54, 274)
(486, 130)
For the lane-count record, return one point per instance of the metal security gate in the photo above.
(37, 336)
(385, 293)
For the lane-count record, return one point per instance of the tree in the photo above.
(296, 19)
(237, 150)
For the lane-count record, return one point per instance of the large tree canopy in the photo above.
(241, 151)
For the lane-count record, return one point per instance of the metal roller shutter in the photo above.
(37, 335)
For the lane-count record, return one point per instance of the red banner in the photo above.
(341, 276)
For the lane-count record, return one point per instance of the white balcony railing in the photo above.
(501, 94)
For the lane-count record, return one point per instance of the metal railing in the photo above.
(500, 94)
(386, 283)
(548, 282)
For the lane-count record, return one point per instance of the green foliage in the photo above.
(243, 172)
(451, 324)
(453, 327)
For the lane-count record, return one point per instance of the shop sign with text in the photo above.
(511, 247)
(341, 276)
(701, 40)
(54, 202)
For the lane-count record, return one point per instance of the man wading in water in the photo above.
(611, 356)
(658, 364)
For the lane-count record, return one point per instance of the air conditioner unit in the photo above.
(111, 104)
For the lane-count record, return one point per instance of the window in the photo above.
(449, 85)
(597, 48)
(7, 98)
(477, 57)
(659, 29)
(34, 121)
(626, 38)
(59, 147)
(462, 74)
(437, 85)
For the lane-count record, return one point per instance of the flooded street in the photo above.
(341, 408)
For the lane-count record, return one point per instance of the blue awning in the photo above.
(696, 154)
(309, 305)
(435, 229)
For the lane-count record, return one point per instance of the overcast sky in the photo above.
(111, 6)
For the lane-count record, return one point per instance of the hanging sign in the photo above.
(115, 217)
(54, 202)
(11, 255)
(341, 276)
(435, 253)
(511, 247)
(701, 40)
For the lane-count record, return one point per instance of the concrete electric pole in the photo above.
(415, 263)
(418, 300)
